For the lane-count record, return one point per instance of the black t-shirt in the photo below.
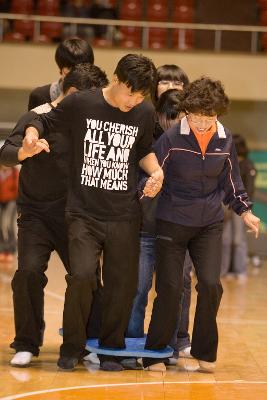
(107, 145)
(43, 177)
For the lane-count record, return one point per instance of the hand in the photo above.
(32, 145)
(252, 222)
(154, 183)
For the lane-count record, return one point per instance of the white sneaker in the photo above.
(93, 358)
(185, 353)
(21, 359)
(241, 278)
(159, 367)
(206, 366)
(172, 361)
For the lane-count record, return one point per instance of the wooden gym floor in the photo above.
(242, 358)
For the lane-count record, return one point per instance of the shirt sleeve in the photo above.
(11, 146)
(231, 182)
(144, 145)
(58, 119)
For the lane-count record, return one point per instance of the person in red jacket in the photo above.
(8, 195)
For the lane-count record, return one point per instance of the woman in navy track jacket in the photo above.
(200, 171)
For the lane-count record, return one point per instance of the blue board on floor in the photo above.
(134, 348)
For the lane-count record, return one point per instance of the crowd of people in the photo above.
(121, 187)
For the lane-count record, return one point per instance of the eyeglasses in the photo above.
(201, 120)
(168, 82)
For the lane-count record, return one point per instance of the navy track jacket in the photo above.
(194, 184)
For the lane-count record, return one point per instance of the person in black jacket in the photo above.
(168, 112)
(41, 222)
(234, 239)
(200, 167)
(70, 52)
(111, 133)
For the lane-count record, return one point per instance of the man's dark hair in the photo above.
(205, 96)
(170, 103)
(137, 72)
(85, 76)
(73, 51)
(169, 72)
(169, 107)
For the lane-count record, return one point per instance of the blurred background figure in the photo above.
(235, 248)
(106, 10)
(8, 213)
(77, 9)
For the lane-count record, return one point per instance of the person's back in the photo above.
(70, 52)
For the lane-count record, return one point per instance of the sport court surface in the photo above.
(241, 368)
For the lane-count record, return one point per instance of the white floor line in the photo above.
(54, 295)
(241, 321)
(20, 396)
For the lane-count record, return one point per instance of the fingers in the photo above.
(42, 145)
(254, 226)
(152, 187)
(32, 146)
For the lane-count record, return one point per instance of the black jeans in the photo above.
(119, 242)
(38, 236)
(204, 245)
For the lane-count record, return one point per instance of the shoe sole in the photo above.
(20, 365)
(66, 369)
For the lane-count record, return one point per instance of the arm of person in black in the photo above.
(57, 120)
(12, 152)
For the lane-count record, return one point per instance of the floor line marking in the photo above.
(54, 295)
(19, 396)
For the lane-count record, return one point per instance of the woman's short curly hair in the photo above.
(206, 97)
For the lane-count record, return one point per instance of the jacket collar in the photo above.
(185, 128)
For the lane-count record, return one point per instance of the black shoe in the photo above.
(131, 363)
(67, 363)
(111, 366)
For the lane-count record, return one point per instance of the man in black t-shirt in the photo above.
(111, 133)
(41, 223)
(70, 52)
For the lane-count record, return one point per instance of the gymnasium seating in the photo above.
(182, 11)
(49, 30)
(21, 29)
(131, 36)
(22, 7)
(262, 4)
(157, 10)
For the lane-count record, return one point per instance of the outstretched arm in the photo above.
(12, 151)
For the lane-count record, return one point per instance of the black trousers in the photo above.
(119, 243)
(38, 236)
(204, 245)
